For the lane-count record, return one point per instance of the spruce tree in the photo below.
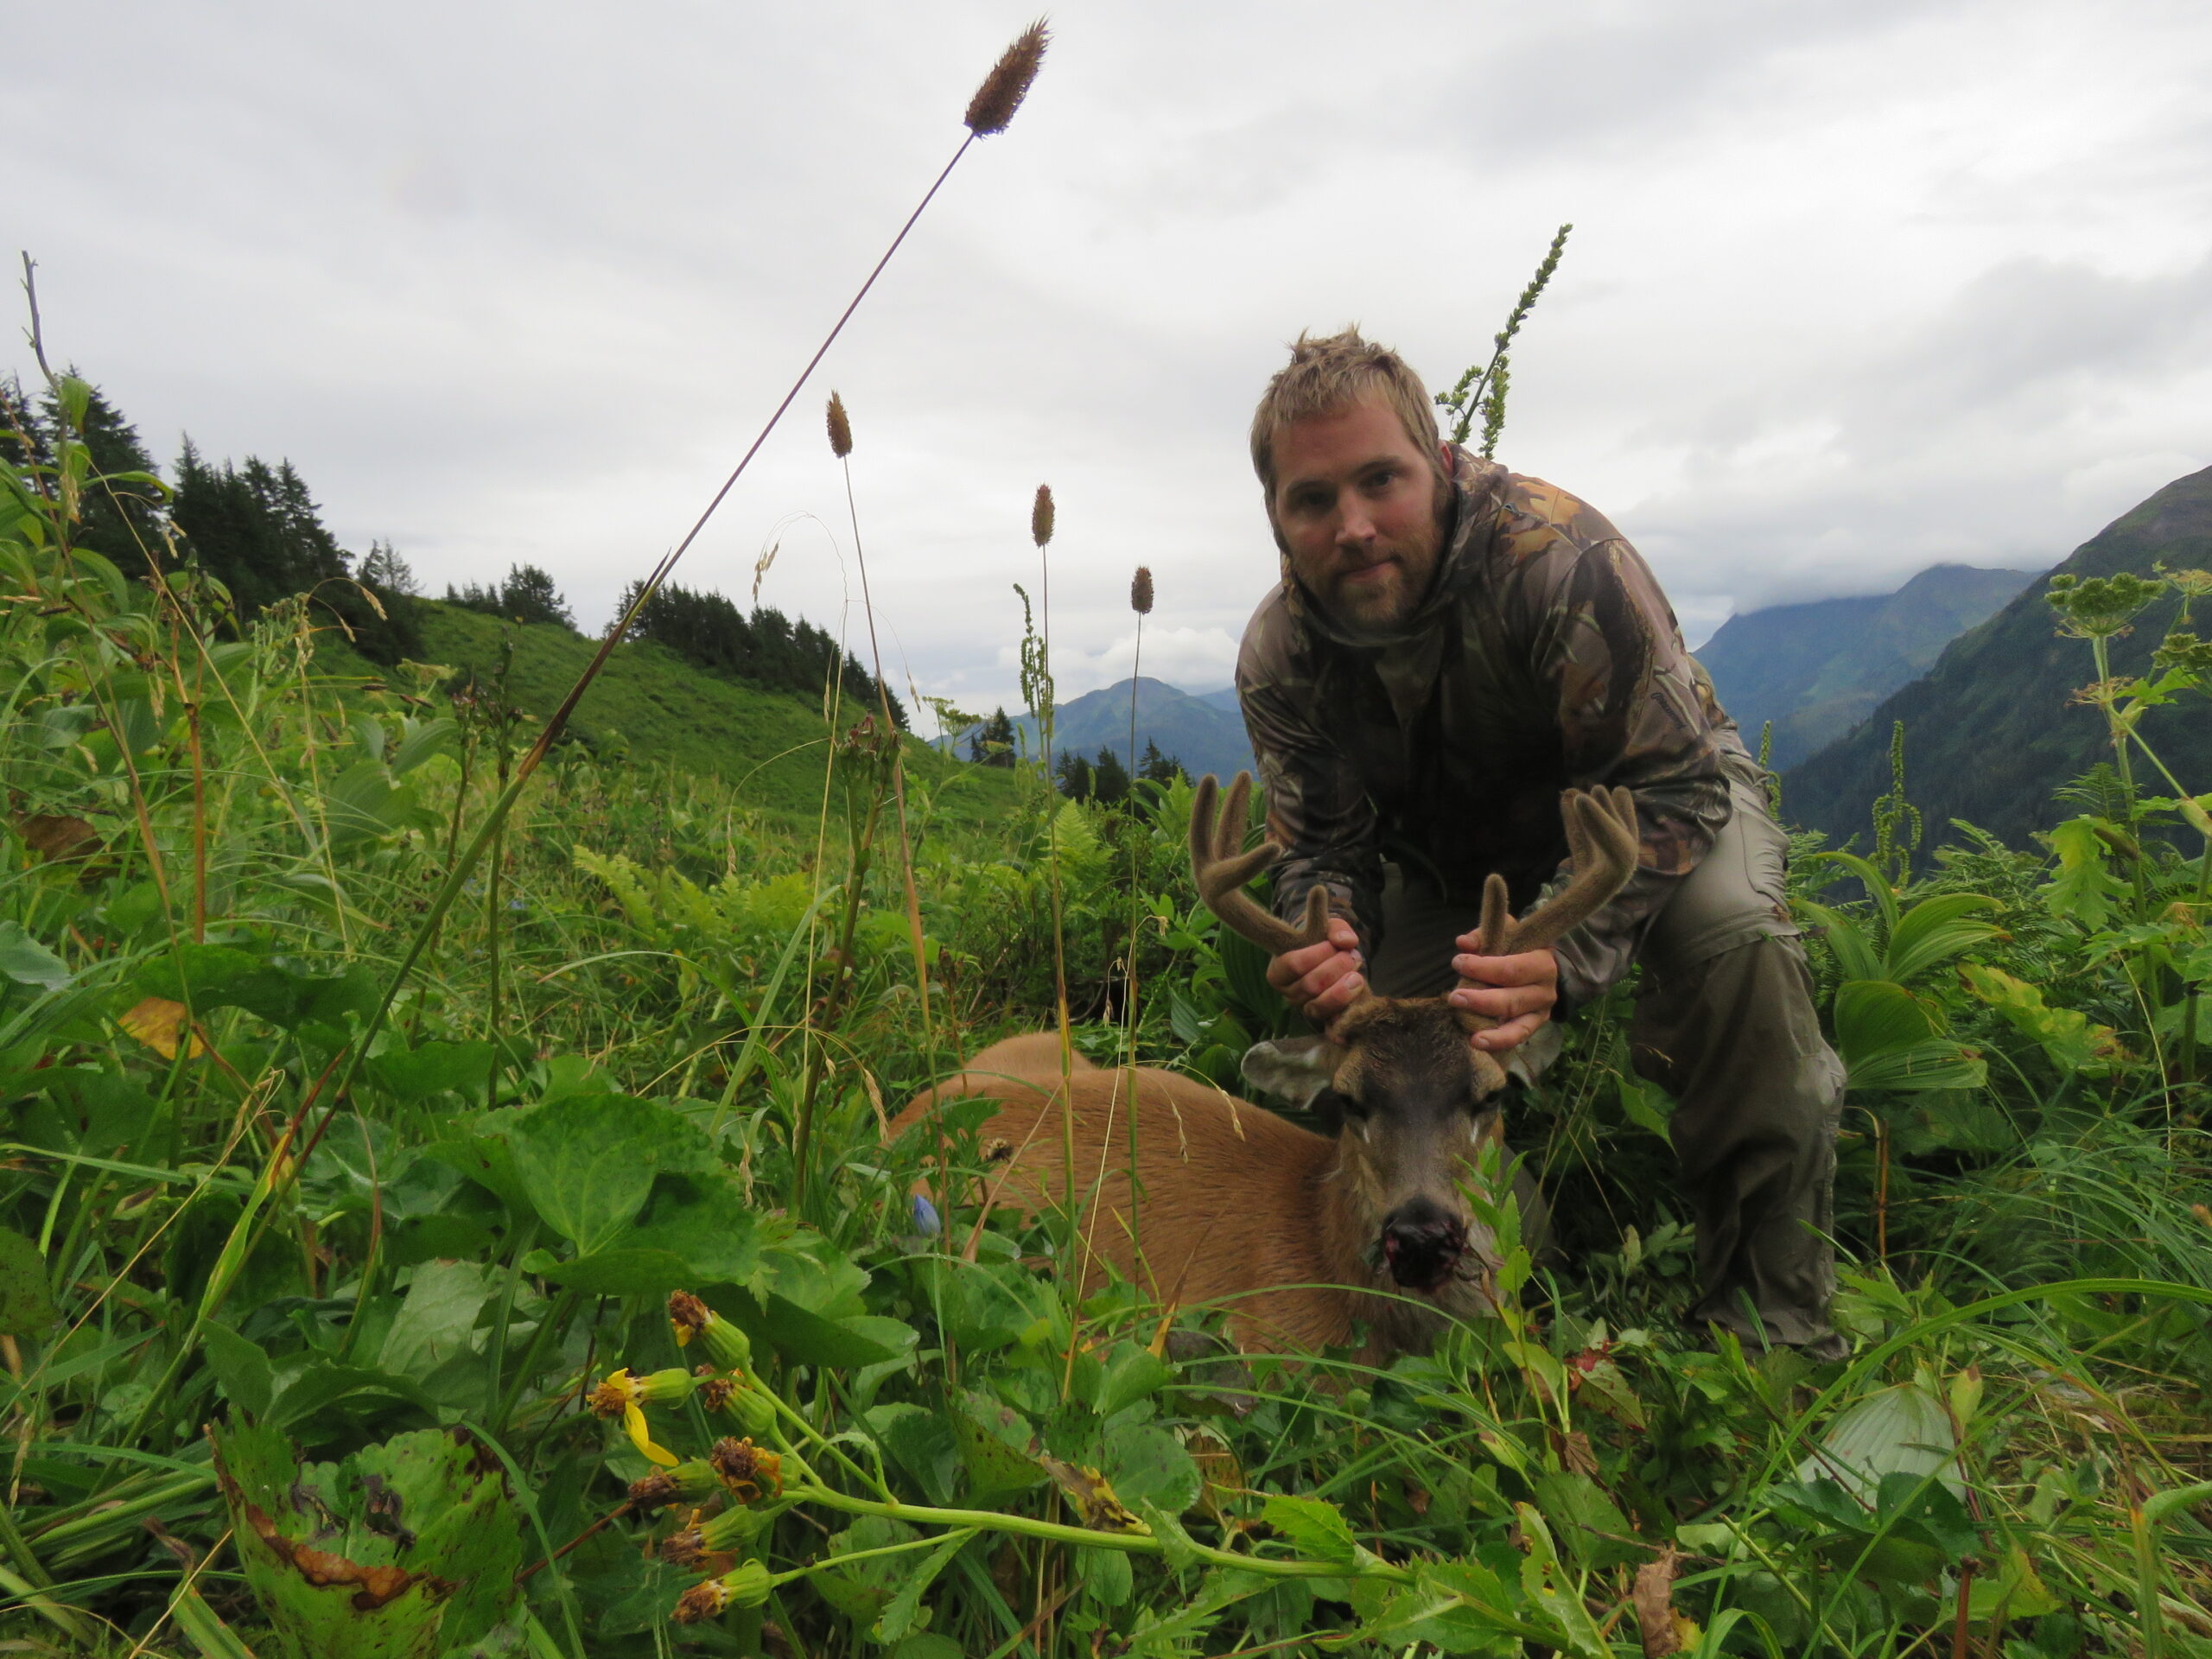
(1109, 778)
(1075, 775)
(529, 595)
(992, 743)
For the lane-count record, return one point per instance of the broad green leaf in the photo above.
(2084, 890)
(1936, 930)
(1145, 1461)
(1314, 1528)
(996, 1445)
(1901, 1430)
(417, 1543)
(1888, 1040)
(323, 1384)
(1586, 1520)
(1846, 941)
(686, 1241)
(242, 1369)
(588, 1162)
(422, 742)
(915, 1580)
(434, 1068)
(1132, 1373)
(2067, 1036)
(922, 1443)
(27, 962)
(437, 1319)
(26, 1305)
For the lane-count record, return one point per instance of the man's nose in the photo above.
(1355, 527)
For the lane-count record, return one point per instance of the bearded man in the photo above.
(1450, 646)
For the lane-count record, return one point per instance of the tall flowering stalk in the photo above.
(1141, 602)
(841, 445)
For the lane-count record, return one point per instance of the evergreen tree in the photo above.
(992, 743)
(1075, 776)
(1157, 768)
(385, 571)
(1109, 778)
(529, 595)
(767, 647)
(256, 529)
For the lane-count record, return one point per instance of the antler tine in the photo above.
(1495, 920)
(1221, 866)
(1601, 834)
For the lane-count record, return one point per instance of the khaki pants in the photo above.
(1724, 1023)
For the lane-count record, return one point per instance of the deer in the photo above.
(1300, 1237)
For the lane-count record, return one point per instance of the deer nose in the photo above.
(1422, 1242)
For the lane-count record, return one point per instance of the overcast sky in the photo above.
(1853, 287)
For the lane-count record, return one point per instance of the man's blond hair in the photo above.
(1327, 375)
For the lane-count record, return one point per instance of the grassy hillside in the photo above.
(1992, 729)
(659, 709)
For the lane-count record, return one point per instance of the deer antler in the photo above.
(1221, 867)
(1602, 847)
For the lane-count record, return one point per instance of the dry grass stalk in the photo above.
(1141, 591)
(840, 429)
(1040, 516)
(1008, 83)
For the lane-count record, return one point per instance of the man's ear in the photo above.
(1295, 1070)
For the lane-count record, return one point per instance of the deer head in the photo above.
(1410, 1101)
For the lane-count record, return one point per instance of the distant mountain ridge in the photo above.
(1200, 731)
(1994, 728)
(1816, 670)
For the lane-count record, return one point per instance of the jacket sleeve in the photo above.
(1317, 807)
(1610, 658)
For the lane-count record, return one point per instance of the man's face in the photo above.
(1359, 507)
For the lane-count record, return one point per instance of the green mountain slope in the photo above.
(657, 708)
(1992, 729)
(1817, 669)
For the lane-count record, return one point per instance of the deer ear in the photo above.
(1295, 1070)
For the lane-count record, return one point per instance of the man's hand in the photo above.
(1321, 980)
(1518, 992)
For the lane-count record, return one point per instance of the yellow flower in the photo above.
(621, 1395)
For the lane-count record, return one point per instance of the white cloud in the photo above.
(1853, 286)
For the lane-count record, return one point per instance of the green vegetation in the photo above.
(655, 1047)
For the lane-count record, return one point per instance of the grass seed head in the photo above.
(841, 427)
(1008, 83)
(1141, 591)
(1040, 516)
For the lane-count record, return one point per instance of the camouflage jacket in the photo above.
(1544, 656)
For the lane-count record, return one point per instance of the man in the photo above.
(1451, 645)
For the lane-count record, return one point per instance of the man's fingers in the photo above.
(1334, 1001)
(1505, 1002)
(1286, 969)
(1511, 1034)
(1331, 976)
(1529, 968)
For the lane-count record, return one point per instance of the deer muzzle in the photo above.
(1423, 1242)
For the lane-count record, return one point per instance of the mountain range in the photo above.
(1816, 670)
(1204, 730)
(1994, 728)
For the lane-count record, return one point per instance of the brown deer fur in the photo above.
(1240, 1210)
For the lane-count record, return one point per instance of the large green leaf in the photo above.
(2068, 1037)
(703, 1235)
(1889, 1040)
(26, 1305)
(27, 962)
(1936, 930)
(406, 1550)
(588, 1162)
